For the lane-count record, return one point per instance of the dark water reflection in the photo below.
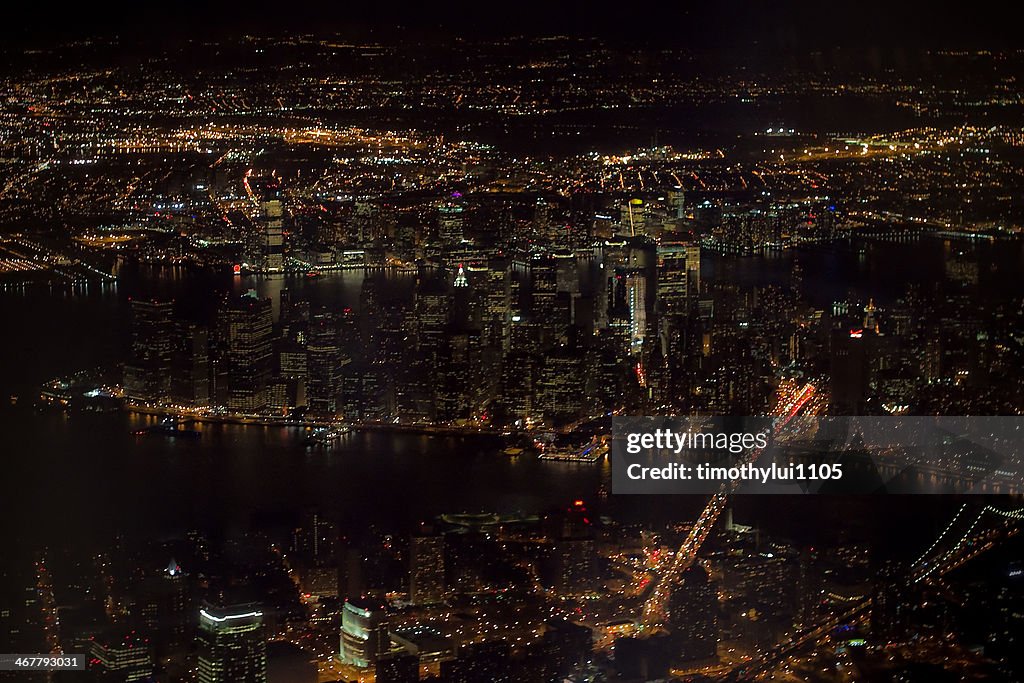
(86, 478)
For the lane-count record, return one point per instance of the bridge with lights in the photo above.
(792, 400)
(972, 531)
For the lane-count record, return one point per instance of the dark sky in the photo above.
(777, 24)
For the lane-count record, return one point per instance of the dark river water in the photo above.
(81, 478)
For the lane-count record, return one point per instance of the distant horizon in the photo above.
(787, 27)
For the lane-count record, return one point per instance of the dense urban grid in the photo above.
(494, 248)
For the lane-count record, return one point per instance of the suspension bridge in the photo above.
(791, 401)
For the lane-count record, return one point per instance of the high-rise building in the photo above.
(693, 616)
(162, 608)
(478, 662)
(121, 656)
(678, 276)
(361, 225)
(849, 370)
(190, 368)
(364, 633)
(398, 668)
(426, 569)
(633, 217)
(147, 375)
(570, 564)
(323, 386)
(272, 226)
(495, 292)
(636, 296)
(543, 301)
(450, 220)
(245, 332)
(560, 385)
(565, 644)
(890, 604)
(231, 645)
(677, 200)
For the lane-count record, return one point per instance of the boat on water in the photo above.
(574, 448)
(171, 427)
(326, 436)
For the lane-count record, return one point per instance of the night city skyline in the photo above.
(381, 344)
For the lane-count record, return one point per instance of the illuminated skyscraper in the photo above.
(362, 226)
(272, 226)
(450, 220)
(426, 569)
(565, 644)
(162, 606)
(633, 217)
(147, 375)
(559, 385)
(231, 645)
(693, 615)
(546, 313)
(672, 286)
(496, 313)
(364, 633)
(636, 296)
(678, 277)
(460, 278)
(677, 200)
(245, 330)
(323, 387)
(121, 656)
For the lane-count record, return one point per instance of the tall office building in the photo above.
(677, 201)
(426, 569)
(121, 656)
(190, 369)
(693, 616)
(478, 662)
(693, 269)
(364, 633)
(678, 277)
(398, 668)
(450, 220)
(543, 299)
(147, 375)
(849, 372)
(570, 565)
(362, 224)
(323, 386)
(432, 305)
(636, 296)
(559, 388)
(245, 332)
(633, 217)
(272, 228)
(496, 313)
(162, 606)
(231, 645)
